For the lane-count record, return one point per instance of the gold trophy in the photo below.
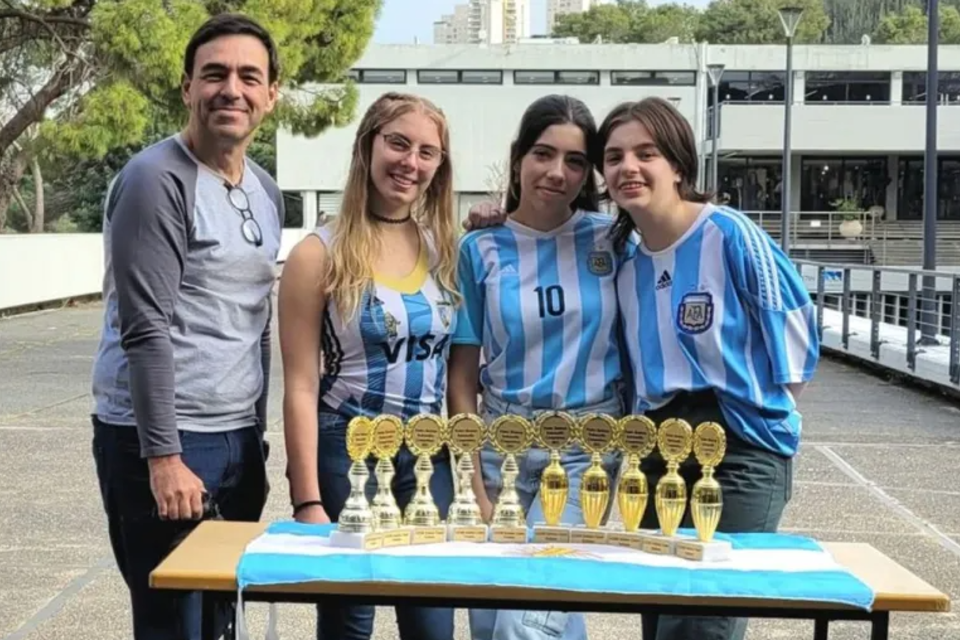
(387, 519)
(674, 439)
(638, 438)
(510, 435)
(706, 498)
(425, 434)
(555, 431)
(597, 433)
(355, 524)
(466, 433)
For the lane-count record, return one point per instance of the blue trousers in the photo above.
(493, 624)
(757, 485)
(355, 622)
(232, 468)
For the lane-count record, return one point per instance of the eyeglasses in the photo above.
(428, 154)
(248, 228)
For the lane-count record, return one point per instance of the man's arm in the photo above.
(265, 345)
(148, 240)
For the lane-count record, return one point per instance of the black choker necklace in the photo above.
(390, 220)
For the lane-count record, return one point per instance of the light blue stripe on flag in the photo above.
(569, 574)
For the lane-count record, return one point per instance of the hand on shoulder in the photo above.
(484, 214)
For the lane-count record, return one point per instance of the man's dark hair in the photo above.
(231, 24)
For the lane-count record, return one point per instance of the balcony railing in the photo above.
(903, 315)
(821, 229)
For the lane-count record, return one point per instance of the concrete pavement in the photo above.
(879, 464)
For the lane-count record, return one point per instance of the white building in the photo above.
(557, 8)
(858, 121)
(453, 28)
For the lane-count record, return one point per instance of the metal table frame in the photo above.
(879, 620)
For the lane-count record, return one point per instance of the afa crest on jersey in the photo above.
(600, 263)
(391, 324)
(445, 313)
(695, 313)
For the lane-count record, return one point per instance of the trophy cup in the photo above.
(509, 435)
(555, 431)
(638, 437)
(597, 433)
(424, 436)
(387, 519)
(674, 439)
(466, 433)
(706, 498)
(355, 524)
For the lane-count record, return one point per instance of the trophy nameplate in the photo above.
(674, 440)
(355, 522)
(424, 435)
(597, 433)
(706, 498)
(387, 518)
(466, 434)
(637, 438)
(510, 435)
(555, 431)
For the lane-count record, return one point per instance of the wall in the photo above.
(54, 266)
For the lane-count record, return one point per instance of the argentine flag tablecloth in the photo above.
(762, 565)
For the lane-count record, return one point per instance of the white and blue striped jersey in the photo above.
(391, 357)
(723, 309)
(543, 308)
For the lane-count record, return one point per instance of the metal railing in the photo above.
(830, 229)
(926, 303)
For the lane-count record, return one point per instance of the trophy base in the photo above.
(582, 535)
(429, 535)
(366, 541)
(467, 532)
(399, 537)
(658, 544)
(550, 533)
(626, 539)
(713, 551)
(508, 534)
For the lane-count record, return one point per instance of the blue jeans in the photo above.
(232, 468)
(506, 624)
(355, 622)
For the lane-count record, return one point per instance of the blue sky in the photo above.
(399, 23)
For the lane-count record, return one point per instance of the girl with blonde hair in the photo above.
(374, 291)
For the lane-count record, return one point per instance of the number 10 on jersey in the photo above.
(550, 300)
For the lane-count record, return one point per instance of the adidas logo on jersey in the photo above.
(508, 270)
(664, 281)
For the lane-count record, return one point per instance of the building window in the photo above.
(382, 76)
(750, 86)
(556, 77)
(481, 77)
(651, 78)
(847, 87)
(437, 76)
(915, 87)
(750, 183)
(826, 180)
(910, 188)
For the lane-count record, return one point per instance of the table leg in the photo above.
(208, 616)
(821, 628)
(880, 627)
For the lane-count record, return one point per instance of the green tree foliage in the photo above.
(83, 77)
(909, 26)
(757, 22)
(630, 21)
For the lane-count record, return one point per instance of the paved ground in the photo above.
(879, 464)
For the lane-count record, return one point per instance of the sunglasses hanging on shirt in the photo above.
(248, 228)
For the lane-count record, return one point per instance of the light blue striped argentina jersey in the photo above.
(723, 309)
(543, 307)
(391, 357)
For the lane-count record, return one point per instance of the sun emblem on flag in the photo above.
(554, 551)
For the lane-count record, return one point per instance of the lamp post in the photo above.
(789, 18)
(715, 71)
(928, 323)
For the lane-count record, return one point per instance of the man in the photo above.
(191, 236)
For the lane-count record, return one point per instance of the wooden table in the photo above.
(207, 560)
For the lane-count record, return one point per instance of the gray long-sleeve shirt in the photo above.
(186, 332)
